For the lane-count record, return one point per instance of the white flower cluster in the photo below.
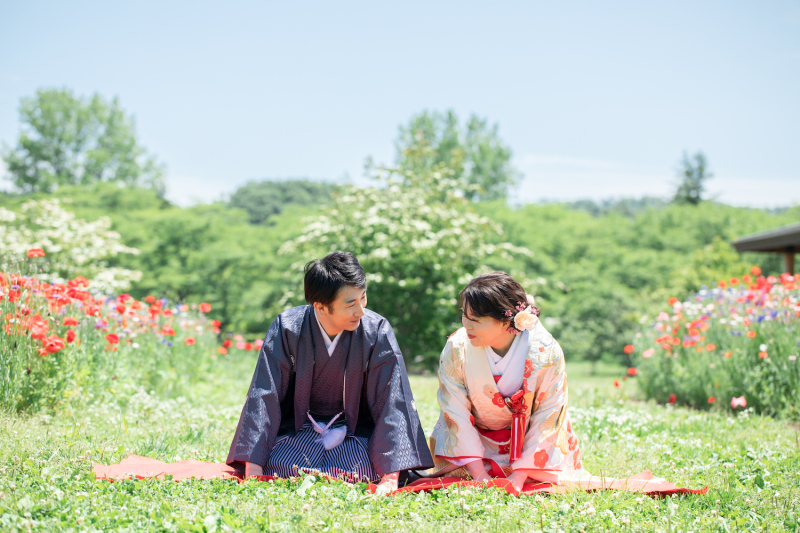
(73, 247)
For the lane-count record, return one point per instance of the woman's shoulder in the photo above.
(543, 348)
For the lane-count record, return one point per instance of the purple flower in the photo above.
(169, 344)
(15, 287)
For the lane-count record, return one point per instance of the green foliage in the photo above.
(692, 175)
(480, 160)
(264, 199)
(419, 243)
(74, 246)
(724, 343)
(605, 272)
(68, 140)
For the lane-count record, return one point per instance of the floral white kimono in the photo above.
(475, 422)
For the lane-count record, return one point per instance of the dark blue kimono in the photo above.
(377, 400)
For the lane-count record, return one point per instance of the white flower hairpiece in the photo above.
(523, 319)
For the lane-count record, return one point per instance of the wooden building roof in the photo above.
(783, 239)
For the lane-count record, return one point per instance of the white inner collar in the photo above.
(330, 345)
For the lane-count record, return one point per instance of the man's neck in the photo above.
(327, 327)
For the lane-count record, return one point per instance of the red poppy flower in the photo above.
(70, 321)
(167, 330)
(35, 252)
(632, 371)
(763, 355)
(53, 344)
(755, 271)
(189, 341)
(751, 334)
(216, 323)
(616, 383)
(672, 301)
(540, 459)
(734, 281)
(71, 336)
(628, 348)
(13, 295)
(672, 398)
(723, 284)
(712, 399)
(112, 338)
(248, 346)
(121, 309)
(729, 353)
(222, 350)
(227, 343)
(184, 308)
(711, 347)
(150, 298)
(168, 313)
(205, 307)
(747, 279)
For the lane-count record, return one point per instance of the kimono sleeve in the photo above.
(549, 442)
(457, 439)
(261, 414)
(398, 441)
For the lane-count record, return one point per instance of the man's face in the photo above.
(345, 313)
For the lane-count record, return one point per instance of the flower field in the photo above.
(89, 378)
(61, 339)
(732, 346)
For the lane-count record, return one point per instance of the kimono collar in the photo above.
(330, 345)
(511, 366)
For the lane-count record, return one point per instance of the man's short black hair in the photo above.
(325, 277)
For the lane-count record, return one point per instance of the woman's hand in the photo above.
(518, 478)
(252, 469)
(478, 471)
(388, 484)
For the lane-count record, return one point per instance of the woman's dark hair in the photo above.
(325, 277)
(493, 295)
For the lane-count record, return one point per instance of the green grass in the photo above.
(750, 463)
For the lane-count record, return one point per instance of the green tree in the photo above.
(419, 242)
(264, 199)
(480, 160)
(693, 173)
(67, 140)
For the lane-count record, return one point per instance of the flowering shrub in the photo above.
(735, 345)
(59, 340)
(73, 246)
(419, 241)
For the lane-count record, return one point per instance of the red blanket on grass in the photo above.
(136, 466)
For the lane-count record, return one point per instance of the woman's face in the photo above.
(485, 330)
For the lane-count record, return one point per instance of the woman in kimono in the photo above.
(503, 392)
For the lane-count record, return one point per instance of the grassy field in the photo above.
(751, 464)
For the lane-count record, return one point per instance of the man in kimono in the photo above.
(330, 390)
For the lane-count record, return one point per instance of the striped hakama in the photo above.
(348, 461)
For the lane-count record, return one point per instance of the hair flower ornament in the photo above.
(524, 318)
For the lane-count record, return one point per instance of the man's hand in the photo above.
(518, 478)
(388, 484)
(252, 469)
(478, 471)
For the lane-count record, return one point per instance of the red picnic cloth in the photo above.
(136, 466)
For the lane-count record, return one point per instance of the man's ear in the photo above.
(321, 308)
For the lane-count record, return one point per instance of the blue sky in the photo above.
(596, 99)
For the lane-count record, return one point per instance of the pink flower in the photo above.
(648, 353)
(738, 402)
(792, 358)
